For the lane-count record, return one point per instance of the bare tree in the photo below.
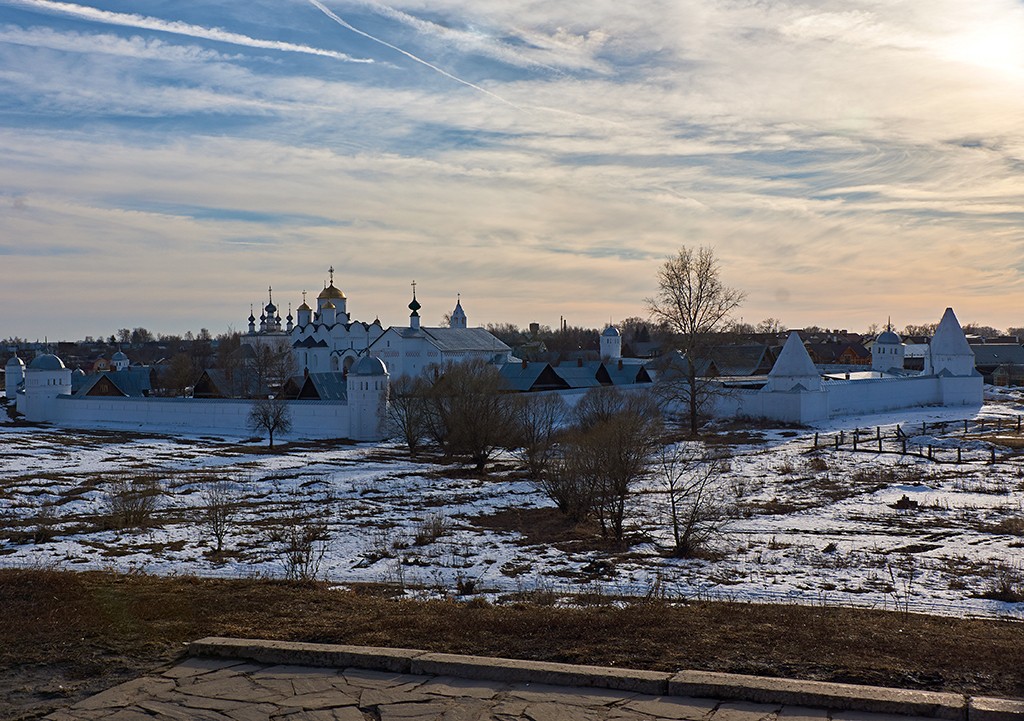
(271, 415)
(221, 500)
(467, 412)
(924, 329)
(770, 325)
(178, 376)
(538, 420)
(405, 413)
(301, 537)
(140, 335)
(621, 449)
(985, 331)
(697, 509)
(569, 480)
(608, 451)
(270, 365)
(693, 304)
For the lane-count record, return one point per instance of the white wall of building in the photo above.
(310, 419)
(853, 397)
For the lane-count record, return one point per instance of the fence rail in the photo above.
(902, 440)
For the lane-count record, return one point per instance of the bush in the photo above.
(1007, 585)
(132, 502)
(300, 536)
(818, 464)
(302, 543)
(430, 529)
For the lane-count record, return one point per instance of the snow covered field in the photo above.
(808, 526)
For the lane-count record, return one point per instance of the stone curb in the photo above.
(292, 653)
(705, 684)
(819, 694)
(983, 708)
(542, 672)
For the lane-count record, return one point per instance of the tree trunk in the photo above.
(693, 398)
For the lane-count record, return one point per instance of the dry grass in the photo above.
(67, 635)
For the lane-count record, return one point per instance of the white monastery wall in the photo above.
(869, 395)
(310, 419)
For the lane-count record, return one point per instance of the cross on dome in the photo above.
(414, 306)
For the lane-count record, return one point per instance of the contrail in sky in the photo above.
(131, 20)
(326, 11)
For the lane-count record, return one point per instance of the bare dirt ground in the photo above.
(67, 635)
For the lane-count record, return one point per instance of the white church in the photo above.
(327, 340)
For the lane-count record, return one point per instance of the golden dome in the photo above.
(304, 306)
(329, 306)
(331, 293)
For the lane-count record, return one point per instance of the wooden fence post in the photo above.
(959, 456)
(815, 439)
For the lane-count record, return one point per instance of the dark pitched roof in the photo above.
(531, 376)
(743, 360)
(465, 339)
(997, 354)
(675, 363)
(131, 383)
(584, 374)
(324, 387)
(215, 383)
(624, 373)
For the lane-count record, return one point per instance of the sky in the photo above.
(163, 163)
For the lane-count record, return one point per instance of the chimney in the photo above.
(620, 364)
(579, 362)
(526, 364)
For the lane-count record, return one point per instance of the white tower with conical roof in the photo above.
(949, 352)
(794, 369)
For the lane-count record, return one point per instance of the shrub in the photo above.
(132, 502)
(818, 464)
(430, 529)
(1007, 584)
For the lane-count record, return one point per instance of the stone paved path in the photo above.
(237, 690)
